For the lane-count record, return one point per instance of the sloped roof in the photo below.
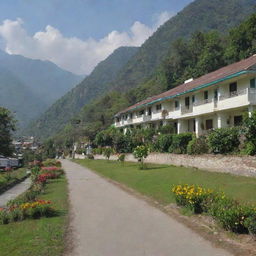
(233, 70)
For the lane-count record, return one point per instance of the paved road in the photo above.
(14, 192)
(107, 221)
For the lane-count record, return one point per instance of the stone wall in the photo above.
(239, 165)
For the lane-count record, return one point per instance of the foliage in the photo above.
(228, 212)
(191, 196)
(163, 142)
(180, 143)
(198, 146)
(7, 127)
(121, 158)
(250, 223)
(51, 162)
(223, 140)
(141, 153)
(107, 152)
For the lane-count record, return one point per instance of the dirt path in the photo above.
(107, 221)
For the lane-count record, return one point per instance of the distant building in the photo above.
(215, 100)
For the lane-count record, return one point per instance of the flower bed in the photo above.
(34, 210)
(228, 212)
(28, 205)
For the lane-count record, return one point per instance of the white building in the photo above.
(215, 100)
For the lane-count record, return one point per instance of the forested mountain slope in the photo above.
(200, 15)
(96, 84)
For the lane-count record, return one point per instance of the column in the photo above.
(199, 131)
(250, 110)
(222, 120)
(181, 126)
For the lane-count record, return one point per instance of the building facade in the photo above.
(215, 100)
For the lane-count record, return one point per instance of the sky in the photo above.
(77, 34)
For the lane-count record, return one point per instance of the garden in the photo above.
(37, 219)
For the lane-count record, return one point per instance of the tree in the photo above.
(141, 153)
(7, 127)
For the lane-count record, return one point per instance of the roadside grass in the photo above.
(6, 179)
(157, 180)
(40, 237)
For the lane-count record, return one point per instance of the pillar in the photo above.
(198, 131)
(222, 120)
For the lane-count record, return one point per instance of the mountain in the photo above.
(200, 15)
(42, 77)
(29, 87)
(17, 97)
(94, 85)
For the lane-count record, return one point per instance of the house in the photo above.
(215, 100)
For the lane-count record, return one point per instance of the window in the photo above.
(158, 107)
(233, 89)
(187, 102)
(118, 119)
(216, 94)
(131, 115)
(238, 120)
(252, 83)
(141, 113)
(209, 124)
(176, 103)
(193, 98)
(206, 95)
(149, 112)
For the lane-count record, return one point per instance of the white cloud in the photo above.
(72, 54)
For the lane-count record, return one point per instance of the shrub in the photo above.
(197, 146)
(97, 151)
(250, 223)
(191, 196)
(121, 158)
(223, 140)
(163, 142)
(107, 152)
(90, 156)
(249, 149)
(51, 162)
(141, 153)
(180, 143)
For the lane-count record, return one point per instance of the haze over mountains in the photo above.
(28, 87)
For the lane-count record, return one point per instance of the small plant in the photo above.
(250, 223)
(121, 158)
(107, 152)
(141, 153)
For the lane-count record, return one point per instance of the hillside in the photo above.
(17, 97)
(28, 87)
(200, 15)
(43, 78)
(96, 84)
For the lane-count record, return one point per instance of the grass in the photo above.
(41, 237)
(157, 180)
(7, 179)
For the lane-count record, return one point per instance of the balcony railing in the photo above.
(186, 109)
(233, 94)
(201, 102)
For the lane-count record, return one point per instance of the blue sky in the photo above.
(90, 21)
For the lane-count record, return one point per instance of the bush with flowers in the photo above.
(228, 212)
(35, 209)
(51, 162)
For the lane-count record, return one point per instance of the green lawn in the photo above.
(42, 237)
(157, 180)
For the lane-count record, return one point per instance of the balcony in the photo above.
(186, 110)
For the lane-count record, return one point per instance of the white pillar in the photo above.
(222, 120)
(198, 126)
(250, 110)
(181, 126)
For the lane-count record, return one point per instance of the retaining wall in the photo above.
(239, 165)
